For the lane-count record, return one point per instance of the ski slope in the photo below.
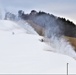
(23, 53)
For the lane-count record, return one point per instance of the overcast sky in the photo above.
(63, 8)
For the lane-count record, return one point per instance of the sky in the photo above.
(60, 8)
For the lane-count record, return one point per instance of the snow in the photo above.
(61, 45)
(2, 12)
(26, 26)
(17, 27)
(22, 53)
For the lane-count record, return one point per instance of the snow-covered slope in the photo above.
(25, 53)
(16, 27)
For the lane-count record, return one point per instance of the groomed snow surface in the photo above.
(23, 53)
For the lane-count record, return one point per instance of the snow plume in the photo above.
(23, 24)
(2, 12)
(53, 30)
(60, 45)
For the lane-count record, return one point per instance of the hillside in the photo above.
(23, 53)
(52, 24)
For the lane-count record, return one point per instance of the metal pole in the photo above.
(67, 68)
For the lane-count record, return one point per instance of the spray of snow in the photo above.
(60, 45)
(2, 13)
(23, 24)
